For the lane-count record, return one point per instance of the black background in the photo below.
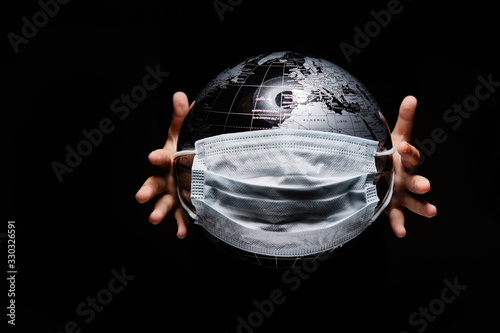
(70, 235)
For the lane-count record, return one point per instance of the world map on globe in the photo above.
(285, 90)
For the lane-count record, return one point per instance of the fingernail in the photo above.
(435, 211)
(426, 184)
(407, 148)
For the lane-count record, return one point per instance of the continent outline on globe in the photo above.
(285, 90)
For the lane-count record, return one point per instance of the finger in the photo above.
(162, 207)
(420, 206)
(404, 124)
(181, 223)
(417, 184)
(410, 156)
(397, 220)
(160, 157)
(181, 109)
(152, 186)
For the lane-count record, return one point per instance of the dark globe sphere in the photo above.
(283, 90)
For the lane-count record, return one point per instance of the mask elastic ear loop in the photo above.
(385, 153)
(184, 153)
(186, 208)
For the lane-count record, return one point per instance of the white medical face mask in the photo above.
(284, 192)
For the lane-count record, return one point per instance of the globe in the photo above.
(283, 90)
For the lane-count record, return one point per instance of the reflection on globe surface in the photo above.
(285, 90)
